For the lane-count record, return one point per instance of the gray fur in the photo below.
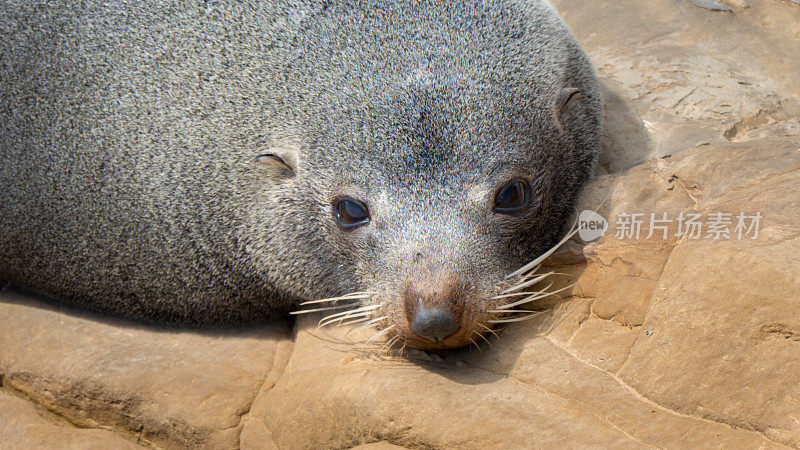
(128, 132)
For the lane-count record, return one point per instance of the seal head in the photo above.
(439, 183)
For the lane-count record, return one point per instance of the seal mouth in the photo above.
(435, 327)
(424, 344)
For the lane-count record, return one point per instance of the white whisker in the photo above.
(527, 283)
(352, 315)
(518, 319)
(328, 308)
(351, 296)
(475, 344)
(391, 342)
(531, 272)
(515, 294)
(532, 297)
(377, 319)
(544, 255)
(355, 321)
(337, 315)
(536, 297)
(380, 333)
(359, 309)
(348, 314)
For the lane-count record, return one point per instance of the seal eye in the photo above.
(269, 157)
(350, 213)
(512, 197)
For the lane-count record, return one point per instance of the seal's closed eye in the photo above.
(277, 166)
(566, 102)
(270, 158)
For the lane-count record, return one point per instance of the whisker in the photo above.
(543, 256)
(536, 297)
(354, 321)
(490, 330)
(364, 316)
(529, 282)
(328, 338)
(351, 296)
(359, 309)
(484, 338)
(531, 272)
(353, 315)
(377, 319)
(391, 342)
(348, 314)
(343, 315)
(518, 319)
(475, 344)
(379, 333)
(327, 308)
(513, 294)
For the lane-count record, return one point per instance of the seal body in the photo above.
(180, 161)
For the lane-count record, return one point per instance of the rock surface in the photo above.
(22, 426)
(664, 341)
(154, 386)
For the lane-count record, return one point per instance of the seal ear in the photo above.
(565, 105)
(280, 163)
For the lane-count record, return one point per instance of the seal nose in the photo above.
(434, 300)
(434, 324)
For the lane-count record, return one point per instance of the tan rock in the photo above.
(737, 3)
(692, 76)
(167, 386)
(382, 445)
(23, 427)
(548, 398)
(725, 312)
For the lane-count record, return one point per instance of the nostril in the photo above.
(434, 324)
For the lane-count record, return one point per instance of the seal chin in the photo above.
(459, 338)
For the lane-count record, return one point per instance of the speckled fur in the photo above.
(128, 132)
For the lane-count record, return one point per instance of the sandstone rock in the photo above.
(21, 426)
(693, 76)
(721, 318)
(169, 387)
(726, 311)
(737, 3)
(382, 445)
(714, 5)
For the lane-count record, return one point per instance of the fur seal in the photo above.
(210, 163)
